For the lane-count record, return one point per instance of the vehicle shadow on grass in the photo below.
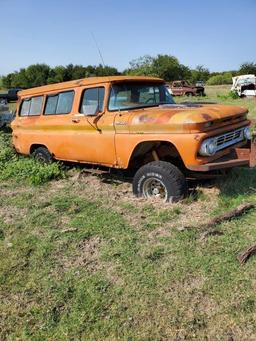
(239, 181)
(105, 175)
(236, 184)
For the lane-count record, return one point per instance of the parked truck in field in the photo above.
(184, 88)
(10, 96)
(244, 85)
(6, 116)
(133, 124)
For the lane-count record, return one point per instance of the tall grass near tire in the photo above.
(21, 168)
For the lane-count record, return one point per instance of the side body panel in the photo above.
(72, 137)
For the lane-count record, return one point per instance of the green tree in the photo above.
(106, 70)
(163, 66)
(78, 72)
(247, 68)
(41, 74)
(142, 66)
(224, 78)
(167, 67)
(7, 81)
(19, 79)
(200, 73)
(57, 75)
(37, 75)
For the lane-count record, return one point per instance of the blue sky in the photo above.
(219, 34)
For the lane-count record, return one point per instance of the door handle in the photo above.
(76, 120)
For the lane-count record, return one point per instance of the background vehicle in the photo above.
(6, 116)
(244, 85)
(169, 89)
(184, 88)
(10, 96)
(200, 84)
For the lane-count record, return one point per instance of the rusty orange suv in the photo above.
(132, 123)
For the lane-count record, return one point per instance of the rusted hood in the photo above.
(178, 118)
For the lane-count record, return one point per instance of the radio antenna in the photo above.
(95, 121)
(103, 63)
(98, 48)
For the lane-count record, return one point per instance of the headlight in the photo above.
(247, 133)
(208, 147)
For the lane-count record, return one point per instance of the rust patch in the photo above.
(145, 118)
(207, 117)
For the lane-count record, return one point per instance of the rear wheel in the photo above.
(160, 180)
(43, 155)
(189, 94)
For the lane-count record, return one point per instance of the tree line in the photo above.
(164, 66)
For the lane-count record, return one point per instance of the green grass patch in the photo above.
(22, 168)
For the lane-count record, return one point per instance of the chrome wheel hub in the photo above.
(154, 188)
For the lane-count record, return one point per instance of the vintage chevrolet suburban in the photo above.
(132, 123)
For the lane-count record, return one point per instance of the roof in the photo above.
(84, 82)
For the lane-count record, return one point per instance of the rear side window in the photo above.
(92, 101)
(25, 106)
(31, 106)
(58, 104)
(36, 106)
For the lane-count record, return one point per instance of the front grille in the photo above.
(227, 139)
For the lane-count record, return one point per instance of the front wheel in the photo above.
(160, 180)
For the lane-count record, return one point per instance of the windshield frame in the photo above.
(143, 105)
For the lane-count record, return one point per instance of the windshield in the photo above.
(132, 95)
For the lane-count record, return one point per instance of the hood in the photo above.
(180, 117)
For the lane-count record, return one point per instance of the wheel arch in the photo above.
(164, 150)
(34, 146)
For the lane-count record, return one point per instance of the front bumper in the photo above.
(237, 157)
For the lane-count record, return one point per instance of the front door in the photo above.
(93, 130)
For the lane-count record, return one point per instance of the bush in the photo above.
(22, 168)
(230, 95)
(225, 78)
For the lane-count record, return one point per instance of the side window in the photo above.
(25, 106)
(92, 101)
(58, 104)
(36, 106)
(65, 102)
(51, 104)
(31, 106)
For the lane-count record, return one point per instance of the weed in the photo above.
(21, 168)
(230, 95)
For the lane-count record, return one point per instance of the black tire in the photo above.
(165, 182)
(189, 94)
(43, 155)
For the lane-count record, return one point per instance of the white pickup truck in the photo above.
(244, 85)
